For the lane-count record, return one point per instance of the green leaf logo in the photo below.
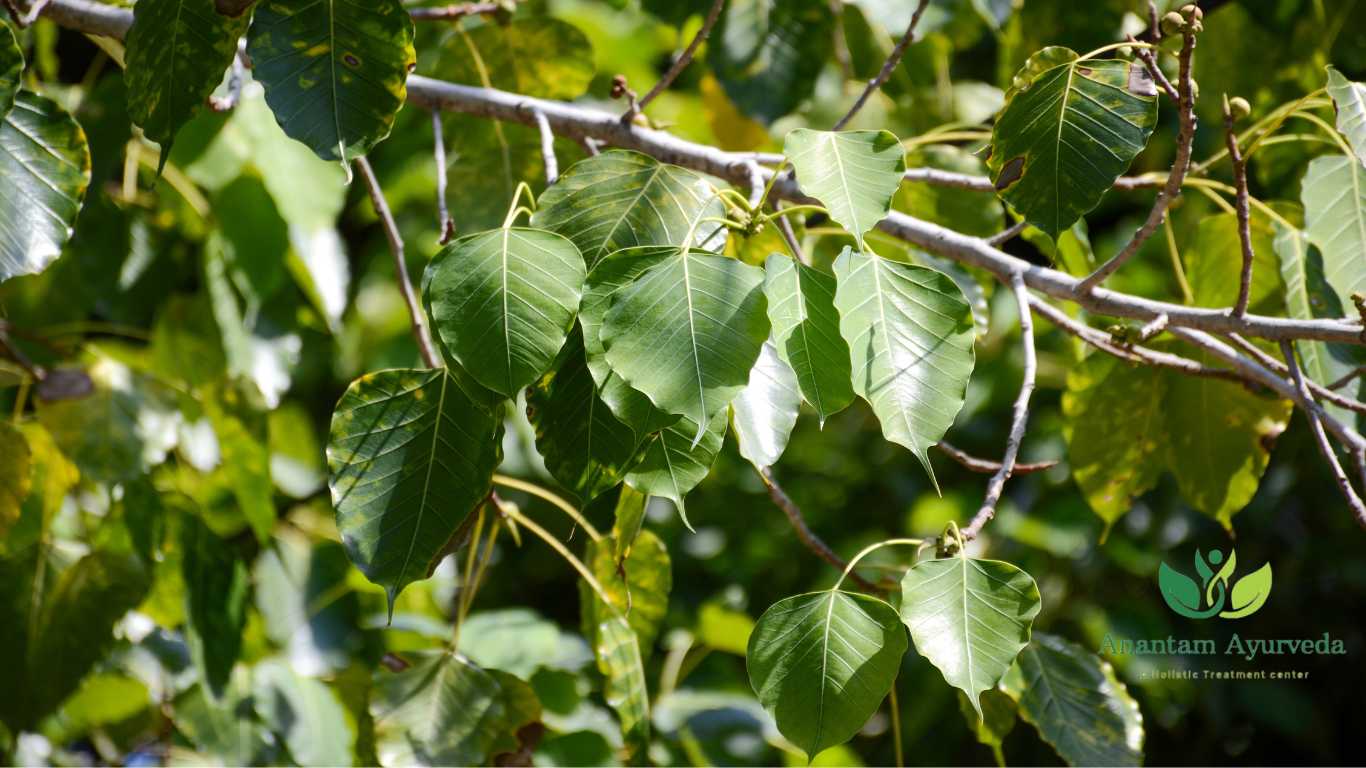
(1218, 592)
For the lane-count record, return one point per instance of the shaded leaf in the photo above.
(45, 165)
(969, 618)
(1349, 101)
(409, 457)
(305, 603)
(1334, 195)
(768, 55)
(335, 74)
(177, 51)
(801, 307)
(621, 664)
(910, 333)
(305, 712)
(822, 662)
(670, 465)
(502, 302)
(241, 434)
(1069, 128)
(620, 199)
(765, 411)
(16, 476)
(11, 68)
(628, 520)
(853, 173)
(217, 592)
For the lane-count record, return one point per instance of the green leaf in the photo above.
(1218, 454)
(670, 465)
(1069, 128)
(854, 174)
(306, 604)
(103, 699)
(442, 710)
(768, 55)
(45, 165)
(335, 74)
(11, 68)
(410, 456)
(909, 330)
(724, 629)
(822, 663)
(969, 618)
(620, 199)
(51, 477)
(687, 332)
(1349, 101)
(629, 519)
(801, 307)
(514, 640)
(305, 712)
(766, 410)
(177, 51)
(1214, 265)
(1114, 430)
(241, 434)
(620, 662)
(217, 592)
(1334, 195)
(16, 476)
(995, 722)
(585, 447)
(638, 586)
(502, 302)
(1249, 593)
(1077, 704)
(539, 56)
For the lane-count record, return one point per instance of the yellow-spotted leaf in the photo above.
(177, 52)
(537, 56)
(335, 73)
(639, 586)
(1069, 128)
(411, 454)
(15, 475)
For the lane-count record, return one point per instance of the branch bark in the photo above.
(810, 539)
(1321, 439)
(444, 222)
(1235, 156)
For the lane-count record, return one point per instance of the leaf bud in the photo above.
(1239, 108)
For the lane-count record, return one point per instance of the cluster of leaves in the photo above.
(641, 314)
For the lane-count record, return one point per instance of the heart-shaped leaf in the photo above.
(1349, 99)
(620, 199)
(45, 165)
(410, 456)
(687, 332)
(502, 302)
(969, 617)
(1077, 704)
(766, 410)
(854, 173)
(822, 663)
(801, 307)
(335, 74)
(910, 335)
(177, 51)
(1334, 196)
(1069, 128)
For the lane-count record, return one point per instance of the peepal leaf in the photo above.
(621, 199)
(670, 465)
(801, 307)
(687, 333)
(1069, 128)
(1334, 196)
(1077, 704)
(639, 586)
(621, 664)
(822, 663)
(15, 475)
(177, 52)
(45, 164)
(537, 56)
(502, 302)
(1349, 100)
(765, 411)
(969, 617)
(910, 333)
(411, 454)
(854, 173)
(335, 73)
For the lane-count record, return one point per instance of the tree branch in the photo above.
(810, 539)
(888, 66)
(681, 63)
(552, 165)
(405, 285)
(444, 223)
(1321, 439)
(455, 12)
(1326, 393)
(986, 466)
(1244, 214)
(1020, 419)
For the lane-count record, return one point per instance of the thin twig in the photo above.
(1158, 325)
(888, 66)
(1320, 391)
(1321, 438)
(987, 466)
(455, 12)
(1348, 377)
(1001, 238)
(1020, 418)
(36, 372)
(682, 62)
(552, 165)
(1184, 139)
(1244, 212)
(405, 285)
(810, 539)
(1159, 77)
(444, 223)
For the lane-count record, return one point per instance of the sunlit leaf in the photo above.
(910, 333)
(854, 174)
(1069, 128)
(537, 56)
(969, 617)
(1349, 98)
(44, 171)
(639, 586)
(305, 712)
(765, 411)
(335, 74)
(620, 199)
(801, 307)
(410, 456)
(502, 302)
(1334, 195)
(822, 663)
(670, 465)
(177, 51)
